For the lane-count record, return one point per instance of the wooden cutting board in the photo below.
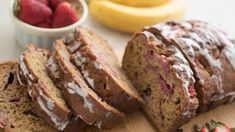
(138, 122)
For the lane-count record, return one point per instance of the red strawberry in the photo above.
(45, 2)
(33, 12)
(219, 127)
(55, 3)
(3, 121)
(204, 130)
(191, 90)
(213, 126)
(222, 129)
(64, 15)
(45, 24)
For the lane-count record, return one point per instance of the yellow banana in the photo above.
(141, 3)
(131, 19)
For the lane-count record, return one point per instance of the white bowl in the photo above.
(42, 37)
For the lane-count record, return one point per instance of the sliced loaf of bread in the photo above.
(16, 106)
(84, 101)
(101, 69)
(211, 54)
(164, 79)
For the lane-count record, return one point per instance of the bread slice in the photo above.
(164, 79)
(211, 54)
(5, 76)
(41, 88)
(84, 101)
(16, 106)
(101, 69)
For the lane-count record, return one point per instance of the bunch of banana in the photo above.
(132, 15)
(141, 3)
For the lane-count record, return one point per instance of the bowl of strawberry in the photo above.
(43, 21)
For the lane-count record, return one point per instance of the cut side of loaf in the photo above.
(211, 54)
(82, 99)
(102, 71)
(16, 106)
(46, 96)
(6, 75)
(163, 77)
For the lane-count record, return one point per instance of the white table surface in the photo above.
(217, 11)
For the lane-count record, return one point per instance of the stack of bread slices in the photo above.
(181, 69)
(80, 83)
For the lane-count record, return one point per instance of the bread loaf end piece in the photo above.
(163, 77)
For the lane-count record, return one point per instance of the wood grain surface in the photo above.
(138, 122)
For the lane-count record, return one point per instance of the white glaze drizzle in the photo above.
(55, 119)
(231, 99)
(184, 67)
(218, 81)
(230, 94)
(167, 31)
(73, 47)
(88, 79)
(186, 25)
(71, 91)
(19, 79)
(29, 82)
(148, 34)
(30, 93)
(187, 114)
(23, 66)
(83, 59)
(191, 45)
(152, 36)
(80, 57)
(98, 65)
(74, 88)
(53, 67)
(230, 54)
(99, 124)
(69, 37)
(79, 60)
(77, 117)
(50, 102)
(214, 62)
(24, 69)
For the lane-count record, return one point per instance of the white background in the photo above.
(221, 12)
